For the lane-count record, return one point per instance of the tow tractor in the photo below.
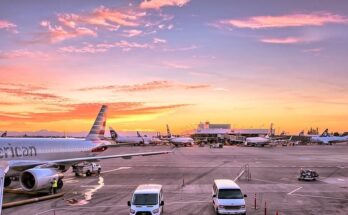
(308, 175)
(86, 168)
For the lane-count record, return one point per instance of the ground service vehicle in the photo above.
(86, 168)
(227, 197)
(147, 199)
(308, 175)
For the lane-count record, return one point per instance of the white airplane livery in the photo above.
(260, 141)
(36, 161)
(179, 141)
(136, 140)
(325, 138)
(149, 140)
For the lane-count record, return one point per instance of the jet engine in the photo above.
(38, 179)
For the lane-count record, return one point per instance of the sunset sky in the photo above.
(176, 62)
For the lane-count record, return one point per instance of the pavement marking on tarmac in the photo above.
(294, 190)
(324, 197)
(120, 168)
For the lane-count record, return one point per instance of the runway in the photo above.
(188, 173)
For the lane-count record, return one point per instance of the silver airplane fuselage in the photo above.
(46, 149)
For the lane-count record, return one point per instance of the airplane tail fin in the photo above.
(270, 131)
(138, 134)
(113, 134)
(168, 131)
(4, 134)
(301, 133)
(98, 129)
(325, 133)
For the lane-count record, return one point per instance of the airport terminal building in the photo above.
(210, 133)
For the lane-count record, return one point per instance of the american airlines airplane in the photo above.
(179, 141)
(325, 138)
(36, 161)
(135, 140)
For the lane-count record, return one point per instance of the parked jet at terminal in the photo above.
(135, 140)
(179, 141)
(149, 140)
(260, 141)
(36, 161)
(325, 138)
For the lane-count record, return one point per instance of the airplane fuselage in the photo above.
(257, 140)
(330, 139)
(45, 149)
(181, 140)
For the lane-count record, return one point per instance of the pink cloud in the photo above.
(147, 86)
(187, 48)
(22, 53)
(176, 65)
(159, 40)
(157, 4)
(4, 24)
(103, 47)
(58, 33)
(108, 18)
(314, 50)
(290, 20)
(284, 40)
(132, 33)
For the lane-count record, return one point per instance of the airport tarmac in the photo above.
(188, 173)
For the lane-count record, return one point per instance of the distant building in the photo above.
(207, 132)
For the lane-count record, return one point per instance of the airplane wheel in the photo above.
(88, 173)
(7, 182)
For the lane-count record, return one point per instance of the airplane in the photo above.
(262, 141)
(149, 140)
(177, 141)
(36, 161)
(326, 139)
(135, 140)
(4, 134)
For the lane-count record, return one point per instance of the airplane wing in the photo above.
(22, 165)
(3, 169)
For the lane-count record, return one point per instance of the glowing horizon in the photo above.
(176, 62)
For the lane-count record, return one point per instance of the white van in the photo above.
(147, 199)
(228, 198)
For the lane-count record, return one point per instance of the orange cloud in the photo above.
(58, 33)
(285, 40)
(27, 91)
(157, 4)
(290, 20)
(148, 86)
(87, 111)
(9, 26)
